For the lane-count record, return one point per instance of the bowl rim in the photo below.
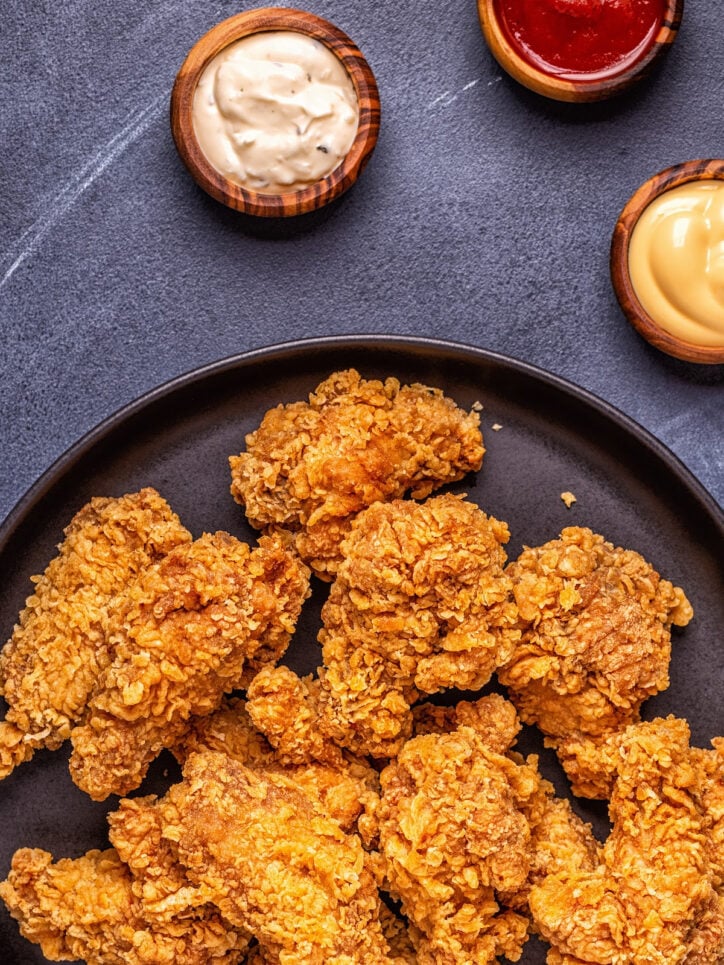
(569, 90)
(710, 169)
(263, 20)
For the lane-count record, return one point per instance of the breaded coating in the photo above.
(181, 639)
(420, 604)
(560, 839)
(595, 644)
(59, 647)
(493, 718)
(86, 909)
(346, 788)
(285, 708)
(397, 935)
(159, 882)
(275, 864)
(710, 764)
(651, 900)
(229, 730)
(452, 834)
(310, 467)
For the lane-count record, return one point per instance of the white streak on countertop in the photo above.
(449, 97)
(30, 240)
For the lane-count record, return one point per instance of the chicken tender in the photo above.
(312, 466)
(181, 638)
(420, 604)
(51, 663)
(345, 787)
(275, 864)
(454, 836)
(86, 909)
(286, 709)
(652, 899)
(595, 644)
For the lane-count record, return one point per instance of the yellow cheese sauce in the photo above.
(676, 261)
(275, 111)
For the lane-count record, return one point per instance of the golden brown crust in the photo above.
(52, 661)
(595, 644)
(85, 908)
(181, 640)
(652, 899)
(275, 864)
(453, 836)
(285, 708)
(346, 788)
(312, 466)
(710, 765)
(420, 604)
(493, 718)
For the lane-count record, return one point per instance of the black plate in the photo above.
(554, 437)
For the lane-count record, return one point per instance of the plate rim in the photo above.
(268, 353)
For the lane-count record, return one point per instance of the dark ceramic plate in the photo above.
(554, 437)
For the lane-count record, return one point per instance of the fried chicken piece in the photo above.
(159, 881)
(274, 864)
(651, 900)
(59, 647)
(493, 718)
(452, 834)
(560, 840)
(596, 643)
(181, 639)
(86, 909)
(285, 708)
(312, 466)
(420, 604)
(710, 764)
(345, 787)
(229, 730)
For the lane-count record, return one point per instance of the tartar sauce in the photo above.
(275, 111)
(676, 261)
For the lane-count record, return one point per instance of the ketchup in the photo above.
(581, 39)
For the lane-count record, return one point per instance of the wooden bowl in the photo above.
(304, 199)
(574, 90)
(637, 315)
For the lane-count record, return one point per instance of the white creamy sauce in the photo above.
(275, 111)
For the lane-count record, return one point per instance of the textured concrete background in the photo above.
(485, 217)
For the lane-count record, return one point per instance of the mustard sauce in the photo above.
(676, 261)
(275, 111)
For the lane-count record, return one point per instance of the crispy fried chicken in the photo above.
(454, 836)
(274, 864)
(181, 638)
(420, 604)
(51, 663)
(345, 787)
(596, 643)
(87, 908)
(652, 899)
(310, 467)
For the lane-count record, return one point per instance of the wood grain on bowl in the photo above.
(578, 88)
(645, 325)
(294, 202)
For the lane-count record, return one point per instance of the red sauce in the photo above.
(581, 39)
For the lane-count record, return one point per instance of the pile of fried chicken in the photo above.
(344, 818)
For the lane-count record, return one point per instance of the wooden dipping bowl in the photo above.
(645, 325)
(302, 200)
(575, 90)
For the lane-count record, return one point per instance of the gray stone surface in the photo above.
(484, 217)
